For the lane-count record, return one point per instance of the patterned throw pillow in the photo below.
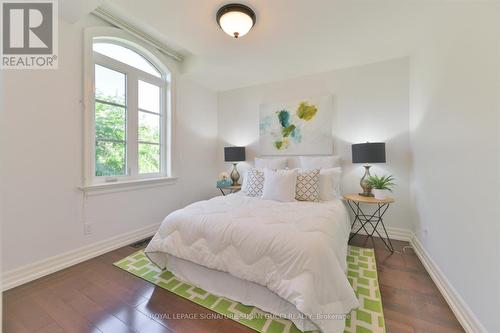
(307, 188)
(254, 183)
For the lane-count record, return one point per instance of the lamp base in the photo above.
(235, 175)
(365, 184)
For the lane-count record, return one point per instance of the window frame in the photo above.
(133, 76)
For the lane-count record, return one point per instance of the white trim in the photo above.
(105, 188)
(18, 276)
(394, 233)
(460, 309)
(464, 314)
(110, 18)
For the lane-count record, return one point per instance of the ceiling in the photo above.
(291, 37)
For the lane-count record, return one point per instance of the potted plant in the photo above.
(381, 185)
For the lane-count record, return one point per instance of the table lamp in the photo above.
(234, 155)
(370, 152)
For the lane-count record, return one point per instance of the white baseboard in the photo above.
(18, 276)
(464, 314)
(394, 233)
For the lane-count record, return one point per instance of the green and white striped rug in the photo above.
(362, 275)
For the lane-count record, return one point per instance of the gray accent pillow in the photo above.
(307, 188)
(254, 183)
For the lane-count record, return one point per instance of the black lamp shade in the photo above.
(370, 152)
(234, 154)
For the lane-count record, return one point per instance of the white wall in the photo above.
(370, 104)
(41, 160)
(438, 113)
(455, 115)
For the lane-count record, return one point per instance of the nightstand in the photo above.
(229, 189)
(375, 219)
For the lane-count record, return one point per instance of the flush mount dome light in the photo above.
(235, 19)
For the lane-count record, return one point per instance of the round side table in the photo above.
(375, 219)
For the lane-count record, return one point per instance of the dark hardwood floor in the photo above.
(94, 296)
(412, 303)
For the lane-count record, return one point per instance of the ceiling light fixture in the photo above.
(236, 19)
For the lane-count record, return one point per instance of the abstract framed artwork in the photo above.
(298, 127)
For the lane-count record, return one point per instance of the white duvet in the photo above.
(295, 249)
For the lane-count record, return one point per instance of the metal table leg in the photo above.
(374, 220)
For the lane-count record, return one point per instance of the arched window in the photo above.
(130, 112)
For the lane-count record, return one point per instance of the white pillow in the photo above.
(319, 162)
(279, 185)
(271, 163)
(329, 183)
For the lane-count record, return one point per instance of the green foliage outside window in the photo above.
(110, 144)
(149, 158)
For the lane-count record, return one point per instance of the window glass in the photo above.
(109, 85)
(149, 158)
(109, 122)
(149, 127)
(109, 158)
(126, 56)
(149, 97)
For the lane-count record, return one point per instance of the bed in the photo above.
(286, 258)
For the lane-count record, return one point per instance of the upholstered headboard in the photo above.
(294, 161)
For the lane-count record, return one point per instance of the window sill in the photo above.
(127, 185)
